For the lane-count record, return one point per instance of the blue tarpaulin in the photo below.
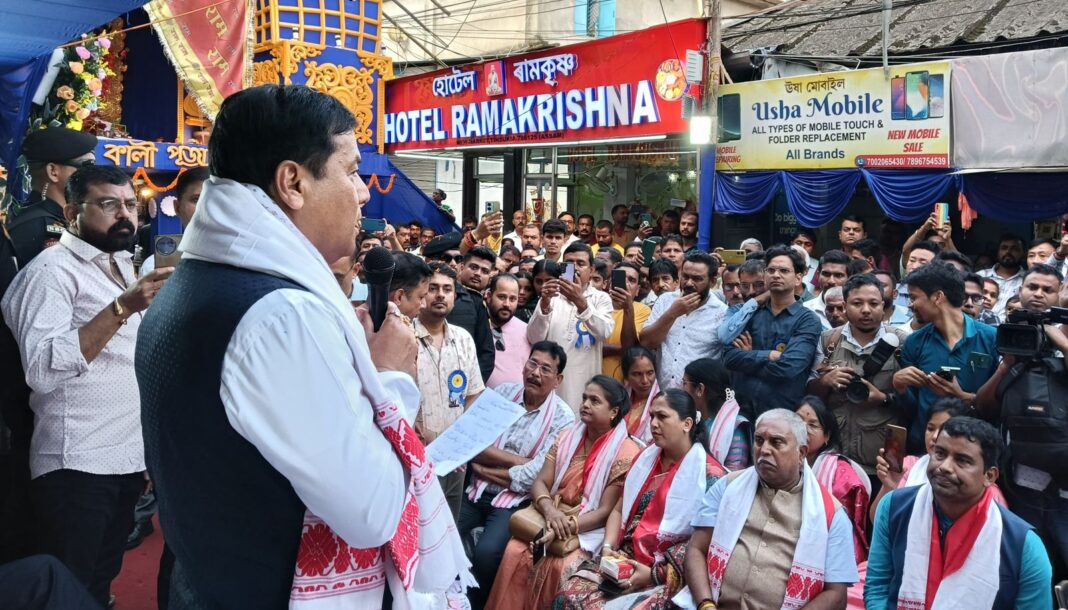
(29, 31)
(403, 201)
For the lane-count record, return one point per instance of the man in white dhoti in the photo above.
(277, 426)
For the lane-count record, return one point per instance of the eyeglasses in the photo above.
(778, 271)
(974, 298)
(110, 206)
(449, 258)
(543, 369)
(77, 164)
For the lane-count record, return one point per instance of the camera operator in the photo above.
(862, 405)
(951, 355)
(1027, 397)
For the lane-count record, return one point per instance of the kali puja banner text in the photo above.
(623, 86)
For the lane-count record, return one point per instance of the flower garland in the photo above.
(141, 174)
(80, 83)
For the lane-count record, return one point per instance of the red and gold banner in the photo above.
(210, 44)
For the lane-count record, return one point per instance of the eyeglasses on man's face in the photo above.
(110, 205)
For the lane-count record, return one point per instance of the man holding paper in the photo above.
(449, 377)
(502, 475)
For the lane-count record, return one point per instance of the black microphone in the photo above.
(378, 268)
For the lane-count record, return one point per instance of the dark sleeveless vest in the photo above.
(233, 521)
(1013, 533)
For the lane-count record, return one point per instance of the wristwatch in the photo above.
(118, 310)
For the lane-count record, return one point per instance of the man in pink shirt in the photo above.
(509, 333)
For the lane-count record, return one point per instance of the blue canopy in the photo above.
(403, 201)
(29, 31)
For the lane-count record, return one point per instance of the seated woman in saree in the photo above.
(730, 434)
(844, 478)
(585, 468)
(639, 369)
(650, 525)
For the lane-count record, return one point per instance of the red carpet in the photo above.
(135, 588)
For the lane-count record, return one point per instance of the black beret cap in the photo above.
(443, 243)
(57, 144)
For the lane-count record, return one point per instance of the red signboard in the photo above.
(624, 86)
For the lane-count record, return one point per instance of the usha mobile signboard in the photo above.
(624, 86)
(859, 118)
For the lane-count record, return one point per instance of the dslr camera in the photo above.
(1022, 335)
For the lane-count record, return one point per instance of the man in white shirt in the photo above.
(75, 312)
(257, 375)
(576, 316)
(519, 220)
(1008, 271)
(503, 473)
(684, 325)
(449, 378)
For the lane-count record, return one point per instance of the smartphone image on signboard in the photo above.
(730, 117)
(619, 278)
(916, 95)
(937, 105)
(897, 98)
(569, 272)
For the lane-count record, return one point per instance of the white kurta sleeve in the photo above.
(290, 389)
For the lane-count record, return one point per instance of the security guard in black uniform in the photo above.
(53, 154)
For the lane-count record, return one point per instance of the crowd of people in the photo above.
(804, 427)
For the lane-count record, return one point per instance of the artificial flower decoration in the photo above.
(81, 83)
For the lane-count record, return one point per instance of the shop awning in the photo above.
(816, 197)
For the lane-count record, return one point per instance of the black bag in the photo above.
(1034, 414)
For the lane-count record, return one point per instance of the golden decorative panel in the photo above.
(352, 86)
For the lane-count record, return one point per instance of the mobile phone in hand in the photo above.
(569, 272)
(166, 253)
(648, 247)
(894, 446)
(373, 225)
(619, 278)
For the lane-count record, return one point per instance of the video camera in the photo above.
(1023, 335)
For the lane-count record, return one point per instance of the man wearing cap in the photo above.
(53, 154)
(445, 249)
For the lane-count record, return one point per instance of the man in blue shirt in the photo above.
(985, 556)
(771, 359)
(953, 355)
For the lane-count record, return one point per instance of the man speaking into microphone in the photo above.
(851, 354)
(276, 423)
